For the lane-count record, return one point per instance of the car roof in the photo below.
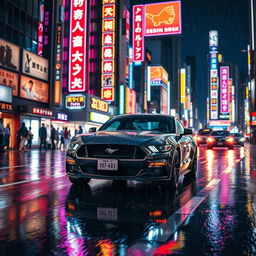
(143, 115)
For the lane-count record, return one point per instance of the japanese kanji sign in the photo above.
(214, 86)
(108, 49)
(224, 90)
(138, 36)
(77, 61)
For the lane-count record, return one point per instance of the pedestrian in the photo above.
(30, 138)
(57, 137)
(66, 138)
(7, 131)
(42, 136)
(76, 131)
(23, 134)
(2, 136)
(52, 137)
(80, 130)
(62, 145)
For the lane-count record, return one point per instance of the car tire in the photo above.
(174, 181)
(193, 169)
(79, 181)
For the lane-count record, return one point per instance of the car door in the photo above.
(185, 145)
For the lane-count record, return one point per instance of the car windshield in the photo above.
(204, 132)
(140, 123)
(220, 133)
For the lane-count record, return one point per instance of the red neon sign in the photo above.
(138, 37)
(77, 54)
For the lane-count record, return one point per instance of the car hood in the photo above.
(127, 137)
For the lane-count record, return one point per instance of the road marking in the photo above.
(17, 183)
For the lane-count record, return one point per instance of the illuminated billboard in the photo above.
(77, 61)
(75, 101)
(33, 89)
(163, 18)
(158, 76)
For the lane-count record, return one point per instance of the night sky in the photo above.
(230, 18)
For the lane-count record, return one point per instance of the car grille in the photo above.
(111, 151)
(220, 139)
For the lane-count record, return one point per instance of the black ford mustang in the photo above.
(134, 147)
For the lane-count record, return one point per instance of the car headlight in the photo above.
(242, 139)
(160, 149)
(73, 146)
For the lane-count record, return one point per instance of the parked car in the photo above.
(220, 138)
(134, 147)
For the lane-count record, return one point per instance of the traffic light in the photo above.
(253, 64)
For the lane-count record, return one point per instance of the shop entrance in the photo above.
(34, 123)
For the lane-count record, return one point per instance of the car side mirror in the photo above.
(93, 129)
(188, 131)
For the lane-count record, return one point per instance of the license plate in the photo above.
(107, 164)
(106, 213)
(220, 143)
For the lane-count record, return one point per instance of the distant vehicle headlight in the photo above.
(210, 139)
(230, 139)
(242, 139)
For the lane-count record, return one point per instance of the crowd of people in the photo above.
(59, 139)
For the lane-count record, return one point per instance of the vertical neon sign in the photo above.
(138, 36)
(224, 89)
(108, 50)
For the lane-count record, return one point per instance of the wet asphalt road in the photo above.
(42, 214)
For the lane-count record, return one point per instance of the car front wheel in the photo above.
(174, 181)
(79, 181)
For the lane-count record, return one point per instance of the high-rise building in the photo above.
(27, 63)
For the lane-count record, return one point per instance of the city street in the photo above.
(42, 214)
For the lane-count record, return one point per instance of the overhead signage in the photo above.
(75, 101)
(219, 123)
(99, 105)
(33, 89)
(9, 55)
(62, 117)
(42, 112)
(158, 76)
(98, 118)
(224, 90)
(213, 86)
(108, 47)
(9, 79)
(138, 36)
(6, 106)
(5, 94)
(163, 18)
(35, 65)
(78, 31)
